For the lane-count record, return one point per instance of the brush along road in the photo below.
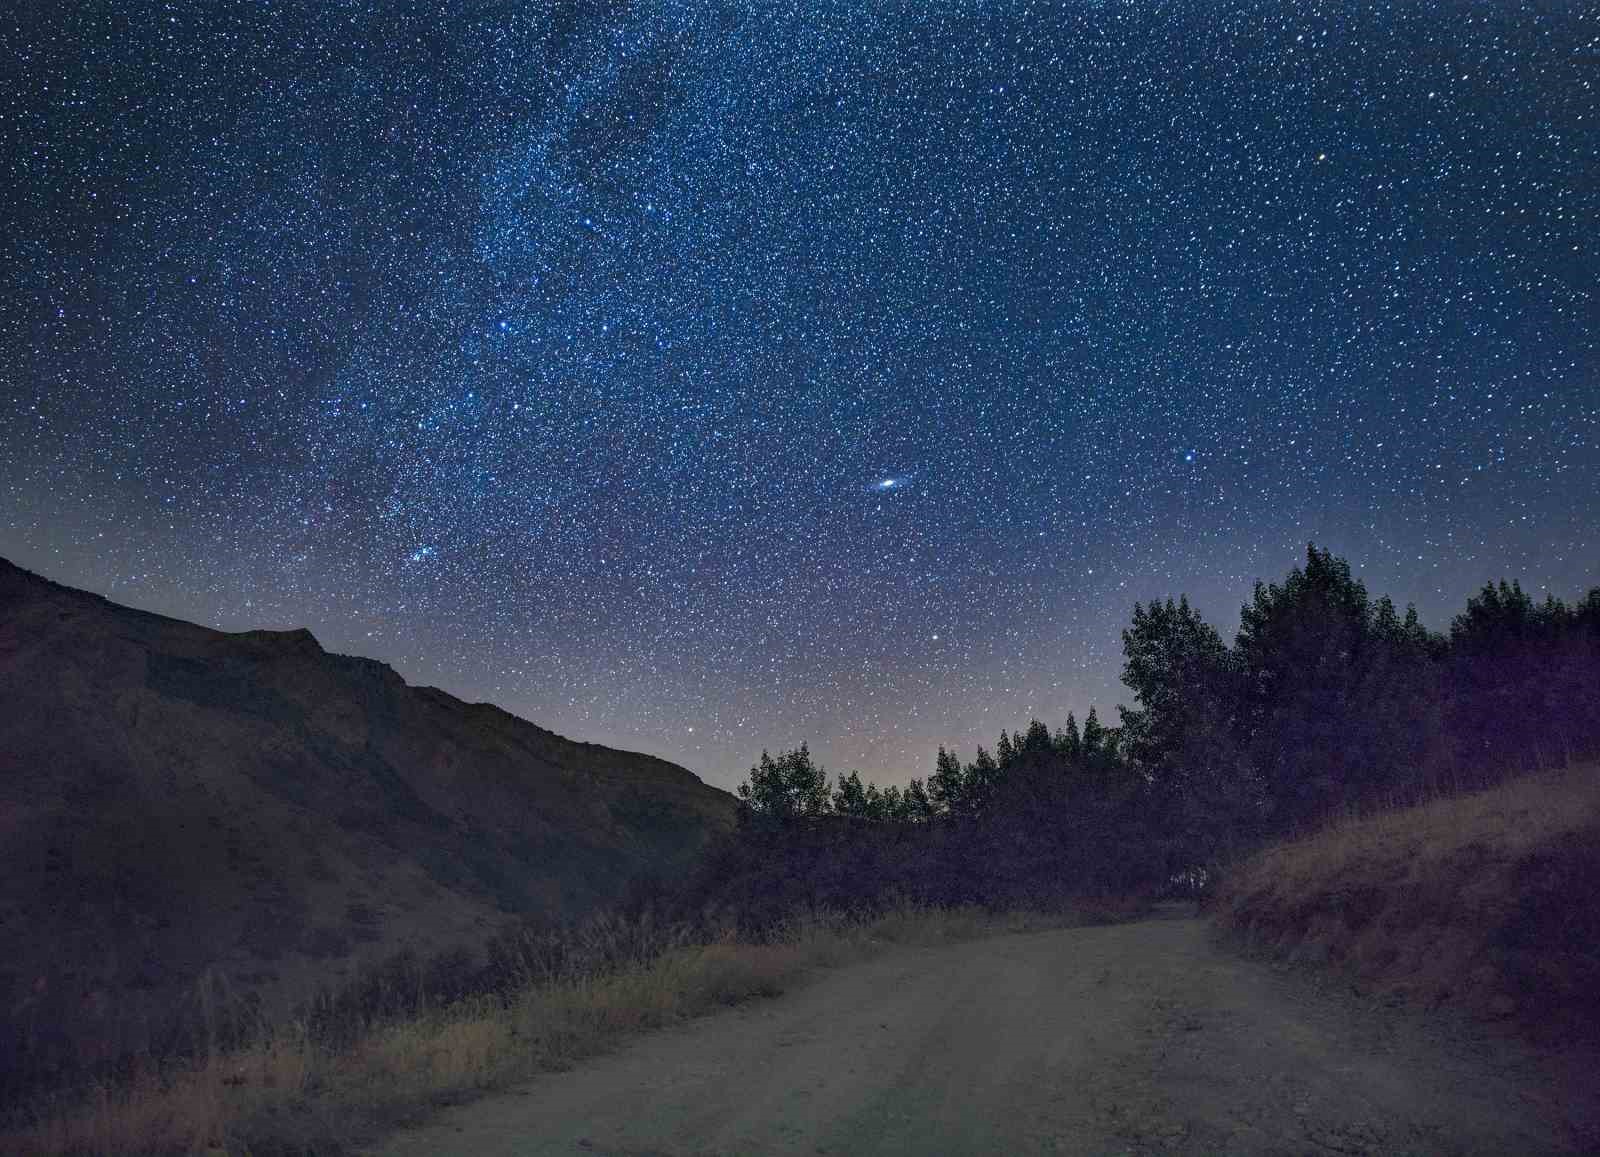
(1134, 1038)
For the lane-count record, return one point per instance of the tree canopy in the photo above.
(1328, 699)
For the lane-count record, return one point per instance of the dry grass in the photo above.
(286, 1094)
(1511, 818)
(1488, 900)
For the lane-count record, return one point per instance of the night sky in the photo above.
(703, 378)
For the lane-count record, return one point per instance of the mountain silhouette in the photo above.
(183, 809)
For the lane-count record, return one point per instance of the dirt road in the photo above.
(1136, 1038)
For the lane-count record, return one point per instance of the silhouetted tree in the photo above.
(1302, 651)
(947, 786)
(1327, 698)
(788, 788)
(1037, 738)
(1096, 744)
(1523, 678)
(915, 804)
(1068, 741)
(850, 797)
(1181, 738)
(983, 778)
(1397, 715)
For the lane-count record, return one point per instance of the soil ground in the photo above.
(1136, 1038)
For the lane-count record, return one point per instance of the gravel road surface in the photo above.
(1134, 1038)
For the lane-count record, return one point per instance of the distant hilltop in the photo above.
(178, 802)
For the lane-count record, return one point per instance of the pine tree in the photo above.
(1068, 741)
(983, 777)
(947, 786)
(916, 804)
(1004, 751)
(888, 805)
(1586, 616)
(1386, 622)
(850, 798)
(1094, 739)
(1416, 638)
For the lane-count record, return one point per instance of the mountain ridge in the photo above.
(181, 805)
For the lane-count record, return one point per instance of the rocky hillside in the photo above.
(189, 816)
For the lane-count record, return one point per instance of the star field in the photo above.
(701, 378)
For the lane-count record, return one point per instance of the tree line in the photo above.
(1328, 700)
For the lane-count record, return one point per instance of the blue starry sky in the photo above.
(701, 378)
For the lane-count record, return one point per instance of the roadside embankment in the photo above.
(1489, 902)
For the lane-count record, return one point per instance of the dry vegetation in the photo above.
(289, 1094)
(1489, 901)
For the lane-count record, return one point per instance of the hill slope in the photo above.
(177, 803)
(1489, 901)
